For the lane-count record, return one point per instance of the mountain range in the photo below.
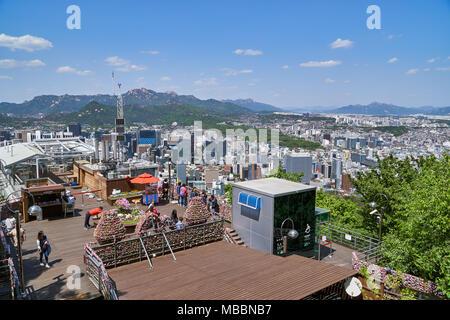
(50, 104)
(53, 104)
(254, 106)
(382, 109)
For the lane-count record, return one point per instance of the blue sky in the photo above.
(231, 49)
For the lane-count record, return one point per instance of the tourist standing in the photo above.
(178, 192)
(174, 216)
(160, 185)
(183, 195)
(44, 248)
(213, 204)
(204, 197)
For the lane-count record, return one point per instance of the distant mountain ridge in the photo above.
(96, 114)
(253, 105)
(380, 109)
(49, 104)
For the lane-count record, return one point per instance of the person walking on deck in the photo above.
(44, 248)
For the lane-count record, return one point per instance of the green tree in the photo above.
(416, 218)
(291, 176)
(344, 211)
(229, 193)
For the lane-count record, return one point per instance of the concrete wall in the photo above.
(256, 234)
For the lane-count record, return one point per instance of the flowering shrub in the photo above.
(123, 206)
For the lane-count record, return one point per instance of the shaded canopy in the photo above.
(145, 178)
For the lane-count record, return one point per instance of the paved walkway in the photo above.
(67, 238)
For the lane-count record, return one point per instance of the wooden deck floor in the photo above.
(67, 237)
(223, 271)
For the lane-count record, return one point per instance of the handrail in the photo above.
(146, 254)
(14, 278)
(170, 248)
(130, 251)
(349, 231)
(104, 281)
(368, 247)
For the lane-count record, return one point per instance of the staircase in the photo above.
(231, 236)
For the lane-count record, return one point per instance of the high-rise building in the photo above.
(75, 128)
(336, 172)
(299, 163)
(181, 172)
(150, 136)
(5, 135)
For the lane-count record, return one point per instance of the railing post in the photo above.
(162, 240)
(99, 281)
(204, 241)
(140, 252)
(115, 253)
(354, 245)
(184, 238)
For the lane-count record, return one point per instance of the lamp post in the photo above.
(293, 234)
(33, 210)
(170, 180)
(379, 214)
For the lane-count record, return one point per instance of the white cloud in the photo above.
(206, 82)
(328, 80)
(123, 64)
(11, 63)
(412, 71)
(68, 69)
(165, 78)
(320, 64)
(426, 69)
(443, 69)
(392, 36)
(116, 61)
(5, 78)
(392, 60)
(432, 60)
(347, 81)
(232, 72)
(248, 52)
(339, 43)
(133, 67)
(150, 52)
(285, 67)
(27, 42)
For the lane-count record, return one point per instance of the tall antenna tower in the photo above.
(120, 121)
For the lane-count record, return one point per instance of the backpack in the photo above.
(182, 191)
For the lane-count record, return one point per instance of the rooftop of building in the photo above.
(273, 187)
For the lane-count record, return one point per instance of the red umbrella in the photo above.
(145, 178)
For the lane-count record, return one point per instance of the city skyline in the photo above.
(290, 56)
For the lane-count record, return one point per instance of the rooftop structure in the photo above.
(274, 187)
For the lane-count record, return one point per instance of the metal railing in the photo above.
(98, 275)
(146, 254)
(133, 248)
(14, 284)
(367, 247)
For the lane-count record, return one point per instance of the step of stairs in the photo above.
(235, 237)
